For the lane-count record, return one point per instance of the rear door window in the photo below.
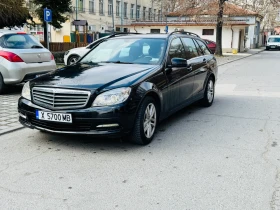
(191, 50)
(19, 41)
(203, 47)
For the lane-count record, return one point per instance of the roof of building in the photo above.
(212, 9)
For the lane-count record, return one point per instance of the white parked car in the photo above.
(73, 55)
(273, 42)
(22, 58)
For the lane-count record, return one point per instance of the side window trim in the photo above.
(198, 47)
(204, 45)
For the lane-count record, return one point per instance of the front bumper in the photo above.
(275, 47)
(91, 121)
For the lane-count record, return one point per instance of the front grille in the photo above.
(58, 98)
(77, 126)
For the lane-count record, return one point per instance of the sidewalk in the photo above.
(229, 57)
(8, 102)
(8, 113)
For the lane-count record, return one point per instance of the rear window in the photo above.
(274, 39)
(19, 41)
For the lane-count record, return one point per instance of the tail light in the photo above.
(12, 57)
(52, 57)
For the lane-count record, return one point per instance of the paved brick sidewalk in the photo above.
(9, 113)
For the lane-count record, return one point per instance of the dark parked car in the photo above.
(122, 87)
(211, 45)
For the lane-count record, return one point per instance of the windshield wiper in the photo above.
(89, 63)
(116, 62)
(36, 46)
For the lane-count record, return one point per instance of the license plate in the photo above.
(272, 46)
(53, 116)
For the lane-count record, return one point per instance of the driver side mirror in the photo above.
(179, 62)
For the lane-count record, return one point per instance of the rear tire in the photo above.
(145, 122)
(2, 84)
(209, 93)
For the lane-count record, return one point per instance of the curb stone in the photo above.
(241, 57)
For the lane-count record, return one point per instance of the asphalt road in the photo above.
(218, 158)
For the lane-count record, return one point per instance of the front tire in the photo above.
(72, 59)
(145, 122)
(209, 93)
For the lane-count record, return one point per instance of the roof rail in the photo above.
(184, 32)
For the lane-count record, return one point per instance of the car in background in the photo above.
(22, 58)
(273, 42)
(211, 45)
(123, 87)
(73, 55)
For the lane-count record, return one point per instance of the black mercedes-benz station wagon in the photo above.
(122, 87)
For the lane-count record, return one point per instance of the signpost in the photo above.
(47, 19)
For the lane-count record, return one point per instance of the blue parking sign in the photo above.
(47, 15)
(166, 28)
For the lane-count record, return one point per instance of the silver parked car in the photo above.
(22, 58)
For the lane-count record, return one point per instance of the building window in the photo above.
(144, 13)
(150, 14)
(101, 7)
(110, 7)
(91, 6)
(207, 31)
(118, 8)
(155, 12)
(159, 15)
(81, 6)
(155, 31)
(138, 12)
(125, 10)
(132, 11)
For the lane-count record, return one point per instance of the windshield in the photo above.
(127, 50)
(19, 41)
(274, 39)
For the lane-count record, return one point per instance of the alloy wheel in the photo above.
(210, 91)
(150, 120)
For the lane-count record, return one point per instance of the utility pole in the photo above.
(122, 15)
(113, 21)
(76, 9)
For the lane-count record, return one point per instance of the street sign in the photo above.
(48, 15)
(166, 29)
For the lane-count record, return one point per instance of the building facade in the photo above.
(241, 28)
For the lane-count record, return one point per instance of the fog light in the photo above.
(22, 115)
(107, 125)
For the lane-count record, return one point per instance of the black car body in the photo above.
(146, 92)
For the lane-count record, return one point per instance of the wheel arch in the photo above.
(149, 89)
(70, 56)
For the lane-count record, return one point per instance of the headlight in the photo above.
(112, 97)
(25, 93)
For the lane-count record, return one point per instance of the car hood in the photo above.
(101, 76)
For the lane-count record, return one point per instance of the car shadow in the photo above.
(13, 89)
(86, 142)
